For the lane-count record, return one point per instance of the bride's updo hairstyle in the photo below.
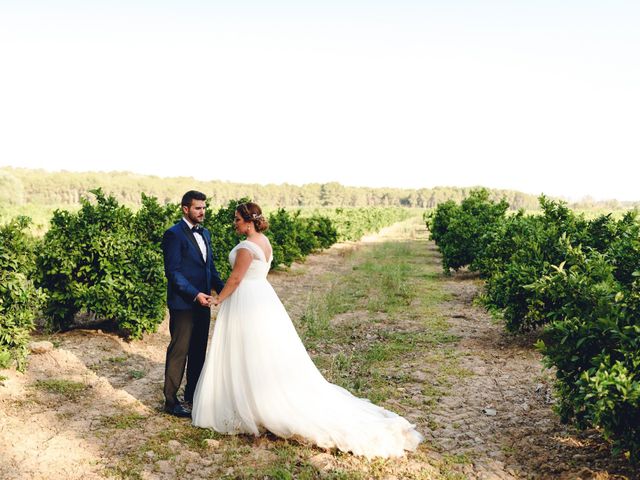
(251, 212)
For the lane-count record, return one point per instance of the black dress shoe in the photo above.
(178, 411)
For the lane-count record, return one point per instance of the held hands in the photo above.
(204, 300)
(207, 300)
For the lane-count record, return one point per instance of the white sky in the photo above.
(538, 96)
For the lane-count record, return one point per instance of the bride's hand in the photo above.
(215, 302)
(203, 299)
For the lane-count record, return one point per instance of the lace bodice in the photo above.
(259, 267)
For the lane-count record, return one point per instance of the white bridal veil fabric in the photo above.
(258, 376)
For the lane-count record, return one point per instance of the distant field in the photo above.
(41, 214)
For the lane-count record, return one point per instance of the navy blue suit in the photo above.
(187, 275)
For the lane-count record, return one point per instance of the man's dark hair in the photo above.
(191, 195)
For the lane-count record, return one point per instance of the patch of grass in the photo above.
(236, 452)
(456, 459)
(385, 274)
(292, 462)
(124, 470)
(314, 324)
(289, 469)
(120, 359)
(156, 444)
(393, 282)
(449, 465)
(394, 344)
(450, 365)
(314, 320)
(122, 420)
(137, 374)
(64, 416)
(131, 465)
(432, 424)
(191, 437)
(433, 391)
(195, 438)
(508, 450)
(64, 387)
(3, 378)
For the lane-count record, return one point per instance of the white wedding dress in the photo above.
(258, 376)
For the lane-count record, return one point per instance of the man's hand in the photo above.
(204, 300)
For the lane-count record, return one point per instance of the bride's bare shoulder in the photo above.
(265, 239)
(262, 242)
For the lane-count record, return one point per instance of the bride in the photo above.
(258, 376)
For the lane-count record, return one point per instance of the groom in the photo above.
(191, 274)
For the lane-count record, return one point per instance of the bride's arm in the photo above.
(240, 267)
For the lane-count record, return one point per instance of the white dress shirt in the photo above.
(199, 240)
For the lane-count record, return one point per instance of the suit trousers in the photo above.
(189, 336)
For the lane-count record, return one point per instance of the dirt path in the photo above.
(90, 406)
(501, 416)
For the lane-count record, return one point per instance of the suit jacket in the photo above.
(187, 273)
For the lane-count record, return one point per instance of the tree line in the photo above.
(20, 186)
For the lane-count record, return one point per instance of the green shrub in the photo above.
(501, 242)
(623, 251)
(439, 219)
(593, 341)
(462, 232)
(106, 261)
(285, 232)
(352, 224)
(519, 252)
(20, 300)
(322, 230)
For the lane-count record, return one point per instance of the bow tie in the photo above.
(197, 229)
